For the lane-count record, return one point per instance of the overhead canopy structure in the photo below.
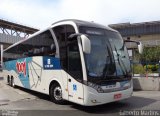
(15, 29)
(11, 32)
(136, 29)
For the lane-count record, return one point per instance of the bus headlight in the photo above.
(96, 87)
(100, 90)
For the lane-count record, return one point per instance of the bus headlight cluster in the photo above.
(100, 90)
(96, 87)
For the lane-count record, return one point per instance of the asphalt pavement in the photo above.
(22, 102)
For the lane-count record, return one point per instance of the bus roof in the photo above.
(86, 23)
(77, 22)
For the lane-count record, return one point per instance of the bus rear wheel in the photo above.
(8, 80)
(56, 93)
(12, 82)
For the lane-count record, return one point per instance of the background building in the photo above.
(147, 32)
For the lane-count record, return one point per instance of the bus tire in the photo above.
(8, 80)
(55, 93)
(12, 82)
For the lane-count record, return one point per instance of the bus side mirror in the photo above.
(86, 44)
(140, 47)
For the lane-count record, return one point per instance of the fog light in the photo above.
(93, 101)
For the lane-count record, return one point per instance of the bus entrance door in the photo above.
(75, 90)
(75, 78)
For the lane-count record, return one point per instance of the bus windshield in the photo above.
(108, 58)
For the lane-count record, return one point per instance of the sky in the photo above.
(42, 13)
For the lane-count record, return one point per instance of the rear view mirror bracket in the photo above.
(140, 46)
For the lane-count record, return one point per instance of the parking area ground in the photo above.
(26, 102)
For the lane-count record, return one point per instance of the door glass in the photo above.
(60, 33)
(69, 51)
(74, 61)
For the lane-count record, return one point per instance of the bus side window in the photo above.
(40, 45)
(70, 58)
(61, 38)
(74, 61)
(73, 56)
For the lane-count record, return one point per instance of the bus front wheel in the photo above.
(56, 93)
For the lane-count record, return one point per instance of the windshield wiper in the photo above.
(113, 78)
(107, 67)
(122, 67)
(109, 78)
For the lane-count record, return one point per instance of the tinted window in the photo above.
(61, 37)
(69, 51)
(39, 45)
(74, 61)
(62, 32)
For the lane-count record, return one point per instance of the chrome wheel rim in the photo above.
(58, 93)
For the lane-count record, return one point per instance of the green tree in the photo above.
(150, 54)
(149, 58)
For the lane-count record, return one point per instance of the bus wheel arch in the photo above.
(55, 92)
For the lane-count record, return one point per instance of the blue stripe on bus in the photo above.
(50, 63)
(20, 66)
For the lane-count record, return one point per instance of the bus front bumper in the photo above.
(92, 97)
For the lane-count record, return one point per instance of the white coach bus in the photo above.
(82, 62)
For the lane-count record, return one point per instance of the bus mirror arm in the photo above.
(86, 44)
(73, 36)
(140, 46)
(137, 42)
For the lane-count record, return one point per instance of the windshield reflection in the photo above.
(100, 63)
(108, 57)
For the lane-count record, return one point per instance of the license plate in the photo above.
(117, 96)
